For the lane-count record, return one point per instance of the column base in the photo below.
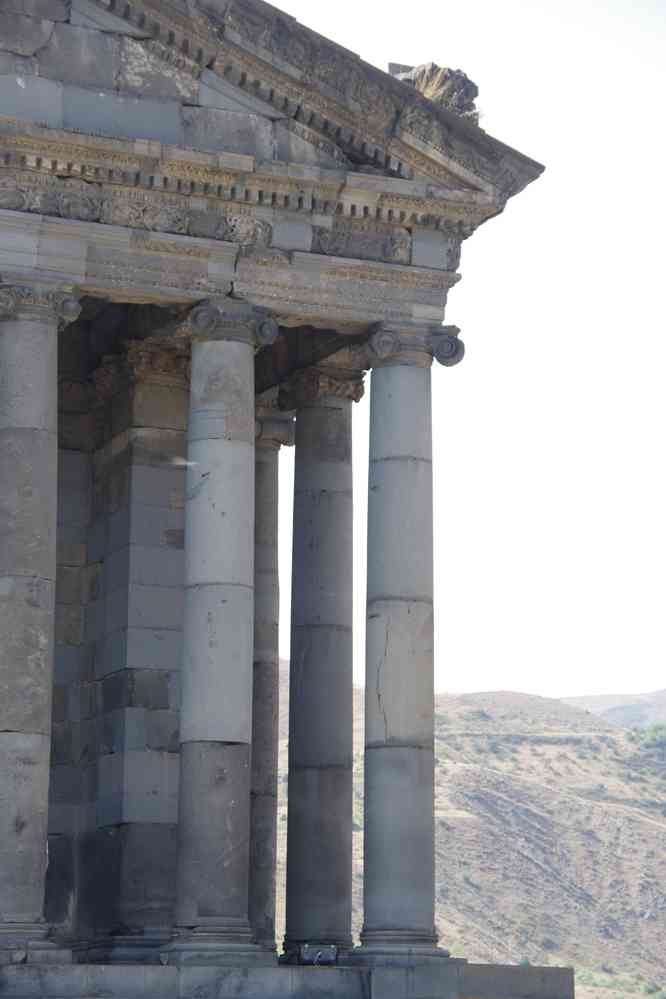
(216, 946)
(316, 952)
(397, 948)
(130, 948)
(29, 943)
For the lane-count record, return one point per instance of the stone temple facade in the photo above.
(213, 224)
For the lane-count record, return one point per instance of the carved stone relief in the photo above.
(363, 242)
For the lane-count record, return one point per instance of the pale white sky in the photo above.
(550, 496)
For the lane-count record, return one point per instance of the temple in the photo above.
(214, 223)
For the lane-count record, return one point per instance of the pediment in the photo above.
(307, 99)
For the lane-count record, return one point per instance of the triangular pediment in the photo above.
(220, 58)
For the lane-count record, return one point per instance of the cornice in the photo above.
(112, 169)
(377, 120)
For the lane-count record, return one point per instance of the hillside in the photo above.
(625, 710)
(551, 839)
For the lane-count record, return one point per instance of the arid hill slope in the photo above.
(625, 710)
(551, 839)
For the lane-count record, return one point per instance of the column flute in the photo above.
(399, 848)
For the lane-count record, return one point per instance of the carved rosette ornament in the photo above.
(229, 319)
(39, 302)
(415, 344)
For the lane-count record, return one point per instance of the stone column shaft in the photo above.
(275, 429)
(216, 712)
(399, 719)
(319, 845)
(29, 320)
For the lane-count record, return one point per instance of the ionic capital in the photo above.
(228, 319)
(43, 303)
(311, 385)
(416, 344)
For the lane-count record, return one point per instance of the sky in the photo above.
(550, 494)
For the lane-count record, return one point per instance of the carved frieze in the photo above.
(364, 241)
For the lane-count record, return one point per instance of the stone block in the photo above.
(60, 880)
(323, 560)
(399, 839)
(80, 56)
(66, 664)
(148, 526)
(400, 702)
(51, 10)
(163, 487)
(23, 35)
(95, 620)
(14, 65)
(69, 584)
(213, 870)
(217, 665)
(26, 626)
(65, 785)
(145, 607)
(85, 14)
(319, 887)
(216, 92)
(321, 673)
(434, 250)
(158, 446)
(24, 781)
(121, 116)
(62, 745)
(140, 648)
(161, 731)
(138, 786)
(230, 131)
(402, 569)
(393, 436)
(72, 545)
(59, 711)
(292, 235)
(143, 71)
(157, 566)
(97, 538)
(135, 688)
(74, 469)
(69, 624)
(28, 473)
(160, 406)
(494, 981)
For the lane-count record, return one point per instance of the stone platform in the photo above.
(447, 980)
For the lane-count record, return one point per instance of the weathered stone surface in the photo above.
(85, 14)
(50, 10)
(24, 776)
(22, 35)
(213, 869)
(234, 132)
(79, 56)
(142, 71)
(26, 654)
(450, 88)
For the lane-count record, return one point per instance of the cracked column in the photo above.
(319, 837)
(399, 714)
(274, 429)
(216, 714)
(29, 319)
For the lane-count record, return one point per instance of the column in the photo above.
(29, 318)
(216, 712)
(274, 429)
(399, 715)
(319, 843)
